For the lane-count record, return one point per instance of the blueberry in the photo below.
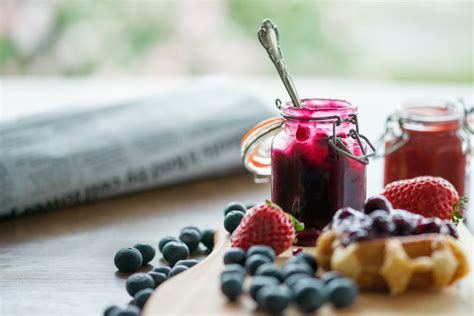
(174, 251)
(308, 259)
(235, 206)
(234, 269)
(158, 277)
(128, 260)
(271, 270)
(295, 260)
(197, 230)
(403, 226)
(141, 297)
(310, 294)
(347, 217)
(112, 310)
(272, 299)
(130, 310)
(164, 241)
(382, 223)
(139, 281)
(342, 292)
(176, 270)
(253, 262)
(331, 275)
(232, 220)
(377, 202)
(290, 295)
(231, 285)
(207, 238)
(429, 226)
(260, 281)
(232, 274)
(188, 263)
(235, 255)
(345, 212)
(163, 269)
(262, 250)
(147, 251)
(191, 238)
(293, 279)
(294, 268)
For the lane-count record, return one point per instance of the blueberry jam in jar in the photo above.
(317, 161)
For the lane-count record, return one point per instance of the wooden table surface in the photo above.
(61, 263)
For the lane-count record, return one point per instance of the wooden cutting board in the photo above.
(197, 292)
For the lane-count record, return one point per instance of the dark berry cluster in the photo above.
(273, 288)
(175, 251)
(379, 220)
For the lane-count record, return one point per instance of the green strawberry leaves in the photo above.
(299, 226)
(458, 210)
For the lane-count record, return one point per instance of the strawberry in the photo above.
(427, 196)
(266, 224)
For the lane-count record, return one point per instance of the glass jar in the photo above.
(426, 137)
(316, 158)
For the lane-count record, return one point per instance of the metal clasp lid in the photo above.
(394, 128)
(338, 145)
(255, 146)
(390, 123)
(468, 117)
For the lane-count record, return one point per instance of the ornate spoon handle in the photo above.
(268, 36)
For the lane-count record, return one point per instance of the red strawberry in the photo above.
(266, 224)
(427, 196)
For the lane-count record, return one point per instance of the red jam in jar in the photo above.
(431, 142)
(316, 159)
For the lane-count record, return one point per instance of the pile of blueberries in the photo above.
(378, 219)
(274, 288)
(176, 252)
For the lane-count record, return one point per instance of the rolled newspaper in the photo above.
(63, 159)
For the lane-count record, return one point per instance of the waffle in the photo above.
(395, 264)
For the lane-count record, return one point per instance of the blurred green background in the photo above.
(395, 40)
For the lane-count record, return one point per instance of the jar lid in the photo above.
(255, 146)
(430, 111)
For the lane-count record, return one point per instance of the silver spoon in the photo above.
(268, 36)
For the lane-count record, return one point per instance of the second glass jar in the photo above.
(431, 141)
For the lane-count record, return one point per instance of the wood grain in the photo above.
(61, 263)
(197, 292)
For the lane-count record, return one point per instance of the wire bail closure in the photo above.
(402, 139)
(342, 149)
(334, 140)
(468, 116)
(394, 120)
